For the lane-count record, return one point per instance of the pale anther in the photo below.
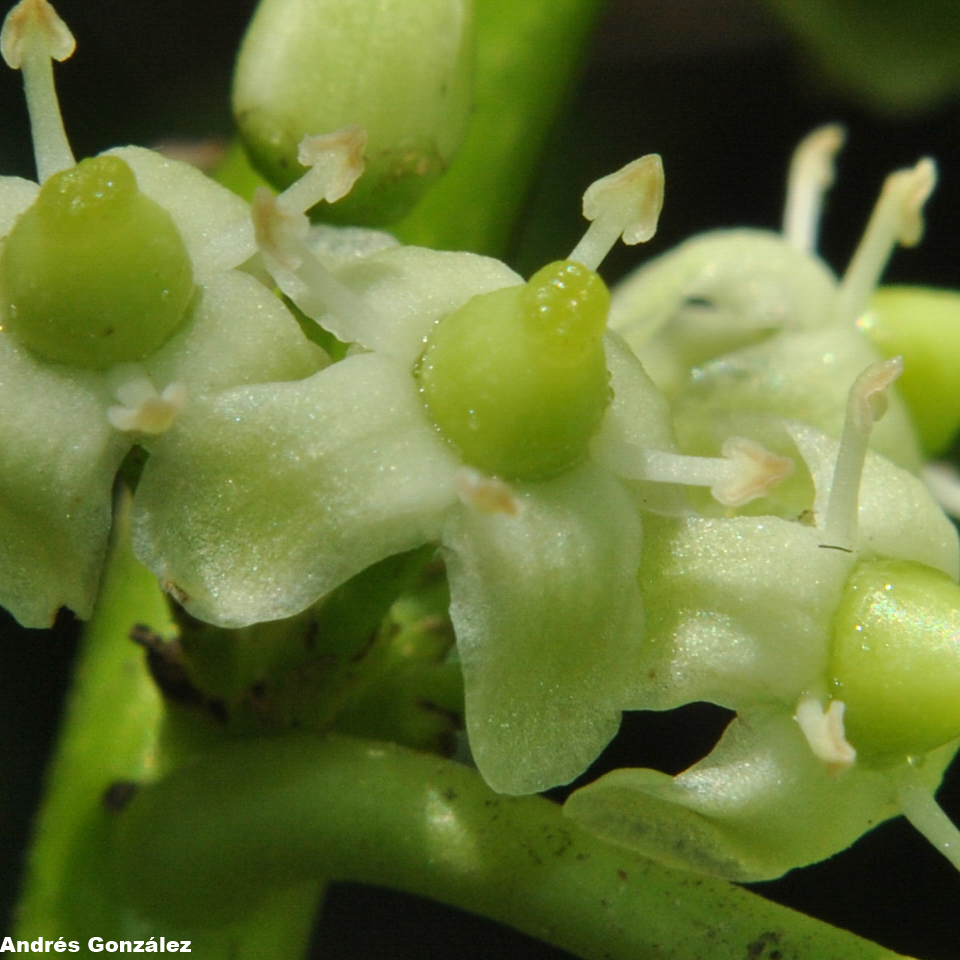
(625, 204)
(485, 494)
(825, 732)
(896, 218)
(34, 25)
(753, 472)
(336, 163)
(143, 409)
(746, 470)
(32, 34)
(811, 174)
(866, 403)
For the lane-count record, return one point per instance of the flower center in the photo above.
(517, 379)
(94, 273)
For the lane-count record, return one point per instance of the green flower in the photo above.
(835, 642)
(495, 418)
(121, 306)
(742, 328)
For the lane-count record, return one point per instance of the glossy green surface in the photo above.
(94, 273)
(895, 660)
(517, 379)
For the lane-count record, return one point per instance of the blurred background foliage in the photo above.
(723, 89)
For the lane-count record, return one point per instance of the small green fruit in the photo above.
(94, 273)
(895, 659)
(517, 379)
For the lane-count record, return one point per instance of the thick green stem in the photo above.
(204, 843)
(528, 55)
(111, 735)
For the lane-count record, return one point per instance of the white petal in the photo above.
(214, 222)
(409, 289)
(58, 458)
(548, 620)
(760, 804)
(267, 497)
(239, 333)
(739, 610)
(638, 416)
(15, 196)
(898, 516)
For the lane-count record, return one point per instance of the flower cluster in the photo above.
(507, 423)
(830, 623)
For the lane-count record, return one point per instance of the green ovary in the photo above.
(94, 273)
(895, 659)
(517, 379)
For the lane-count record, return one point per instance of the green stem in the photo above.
(528, 55)
(112, 734)
(203, 844)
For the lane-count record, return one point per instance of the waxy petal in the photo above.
(898, 517)
(214, 222)
(549, 625)
(16, 195)
(266, 497)
(760, 804)
(58, 458)
(739, 610)
(408, 290)
(239, 333)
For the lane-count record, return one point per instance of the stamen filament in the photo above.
(300, 275)
(896, 218)
(866, 404)
(745, 472)
(625, 204)
(33, 35)
(811, 174)
(927, 817)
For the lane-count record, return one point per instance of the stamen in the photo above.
(927, 817)
(825, 732)
(280, 233)
(32, 36)
(624, 204)
(485, 494)
(143, 409)
(811, 174)
(336, 163)
(745, 472)
(896, 218)
(866, 403)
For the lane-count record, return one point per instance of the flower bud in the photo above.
(95, 273)
(517, 379)
(400, 69)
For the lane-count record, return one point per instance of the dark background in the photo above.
(718, 89)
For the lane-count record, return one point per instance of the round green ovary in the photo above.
(94, 273)
(895, 659)
(517, 379)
